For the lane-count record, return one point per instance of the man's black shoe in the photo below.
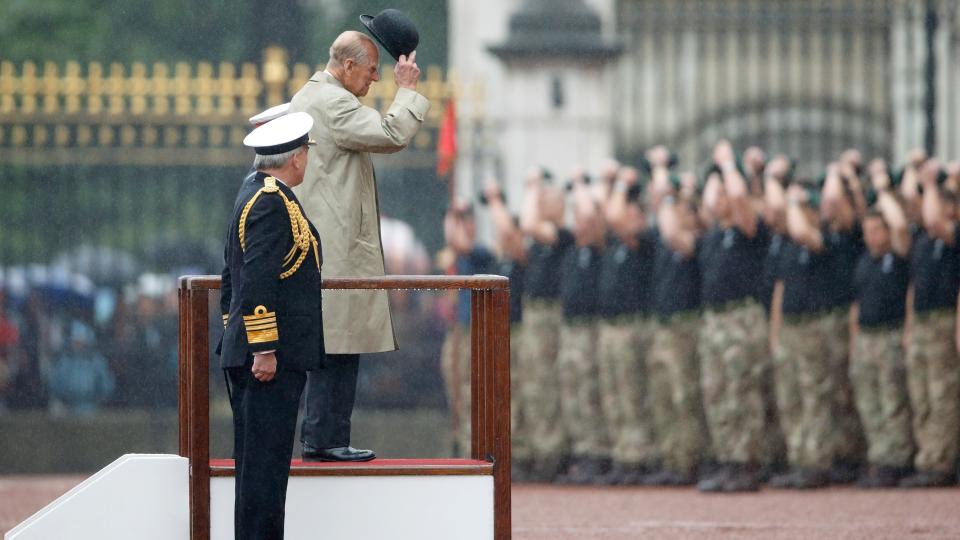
(714, 482)
(812, 478)
(342, 453)
(844, 472)
(881, 476)
(928, 479)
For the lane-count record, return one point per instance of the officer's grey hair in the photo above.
(350, 46)
(274, 161)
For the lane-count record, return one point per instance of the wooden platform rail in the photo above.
(489, 393)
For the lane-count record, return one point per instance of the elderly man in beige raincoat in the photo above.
(339, 194)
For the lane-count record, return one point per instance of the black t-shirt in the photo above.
(515, 272)
(771, 268)
(543, 267)
(807, 278)
(881, 288)
(731, 265)
(845, 247)
(626, 277)
(579, 282)
(676, 279)
(935, 271)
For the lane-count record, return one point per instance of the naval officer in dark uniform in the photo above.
(272, 321)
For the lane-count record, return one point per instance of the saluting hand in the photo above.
(406, 73)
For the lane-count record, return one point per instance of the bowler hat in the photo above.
(394, 30)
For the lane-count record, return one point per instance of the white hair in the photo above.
(350, 46)
(274, 161)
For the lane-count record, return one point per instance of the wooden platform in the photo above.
(377, 467)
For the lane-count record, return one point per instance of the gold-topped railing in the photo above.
(163, 114)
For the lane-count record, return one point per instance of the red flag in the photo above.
(447, 140)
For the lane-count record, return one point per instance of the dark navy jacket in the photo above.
(263, 311)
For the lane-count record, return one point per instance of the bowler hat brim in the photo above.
(393, 30)
(367, 21)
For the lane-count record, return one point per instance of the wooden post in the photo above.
(199, 415)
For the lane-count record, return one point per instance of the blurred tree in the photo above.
(187, 30)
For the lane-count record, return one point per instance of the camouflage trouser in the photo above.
(455, 368)
(519, 427)
(879, 385)
(774, 453)
(674, 382)
(847, 440)
(805, 392)
(580, 387)
(539, 386)
(933, 381)
(622, 347)
(733, 358)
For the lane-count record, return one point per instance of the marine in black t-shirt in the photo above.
(676, 280)
(543, 267)
(731, 264)
(881, 289)
(626, 277)
(935, 271)
(579, 282)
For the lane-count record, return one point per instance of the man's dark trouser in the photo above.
(264, 425)
(331, 392)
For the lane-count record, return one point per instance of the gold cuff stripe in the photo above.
(261, 327)
(252, 320)
(262, 336)
(272, 320)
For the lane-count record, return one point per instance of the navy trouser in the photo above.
(331, 393)
(264, 426)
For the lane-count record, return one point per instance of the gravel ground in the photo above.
(543, 512)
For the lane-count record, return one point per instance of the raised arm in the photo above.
(532, 220)
(934, 219)
(511, 239)
(589, 227)
(675, 234)
(742, 212)
(357, 127)
(774, 196)
(799, 226)
(893, 214)
(616, 211)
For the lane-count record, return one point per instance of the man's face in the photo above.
(357, 77)
(299, 166)
(876, 235)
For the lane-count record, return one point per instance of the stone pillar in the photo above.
(556, 97)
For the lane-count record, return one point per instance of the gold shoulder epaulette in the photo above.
(270, 185)
(303, 240)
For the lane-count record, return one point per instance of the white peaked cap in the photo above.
(284, 134)
(270, 114)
